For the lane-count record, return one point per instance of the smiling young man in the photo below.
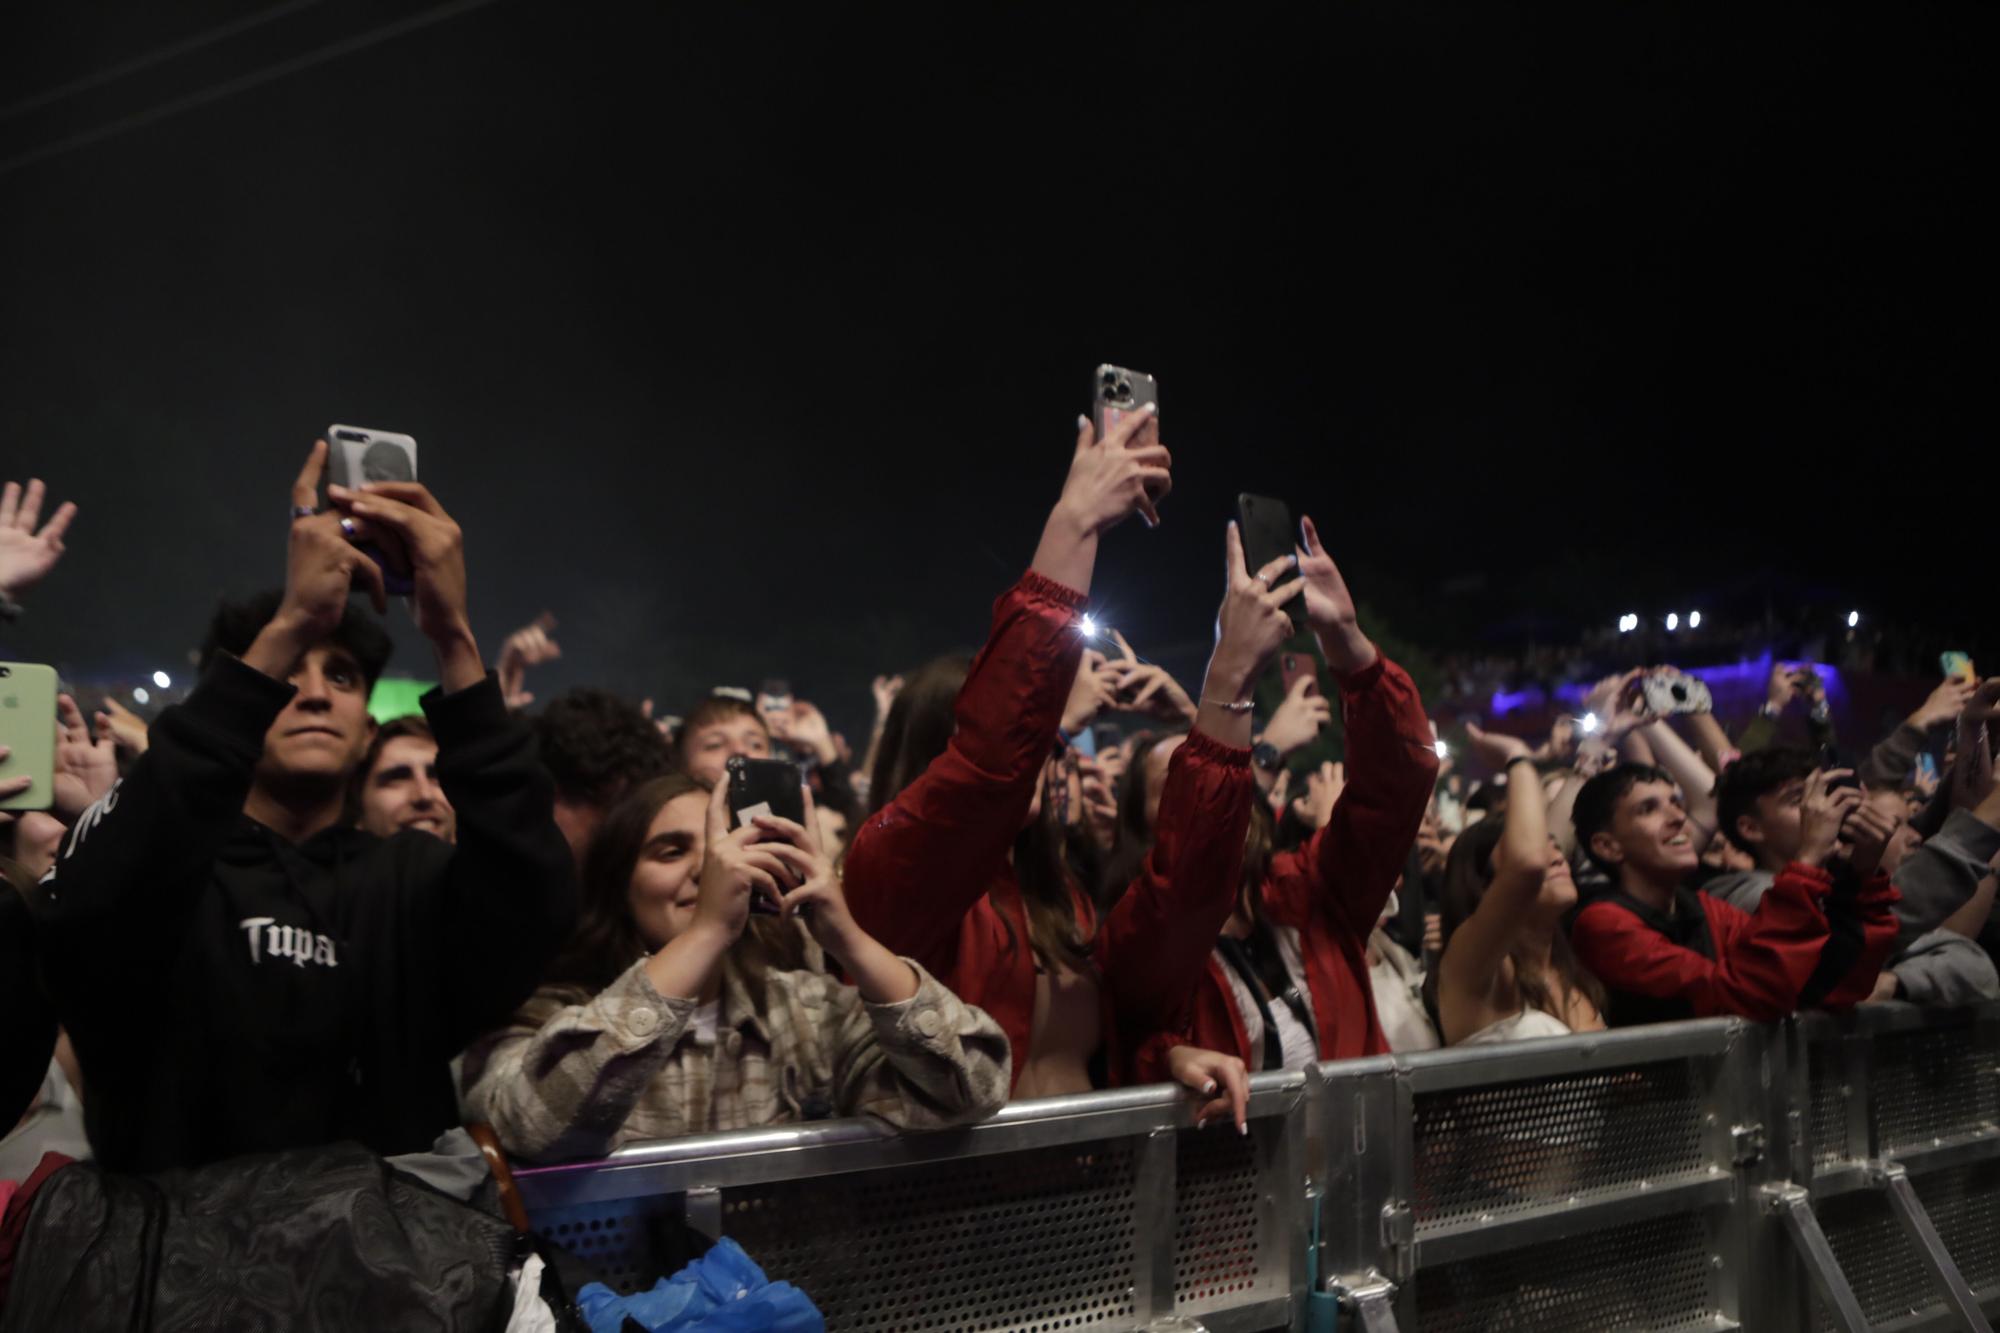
(240, 969)
(397, 786)
(1665, 952)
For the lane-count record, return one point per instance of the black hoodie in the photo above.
(230, 992)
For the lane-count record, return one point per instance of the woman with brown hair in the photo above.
(1507, 971)
(673, 1012)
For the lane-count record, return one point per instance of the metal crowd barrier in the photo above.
(1832, 1172)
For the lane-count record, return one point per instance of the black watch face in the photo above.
(1265, 756)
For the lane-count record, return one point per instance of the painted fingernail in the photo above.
(1081, 421)
(1150, 409)
(1244, 1130)
(1208, 1086)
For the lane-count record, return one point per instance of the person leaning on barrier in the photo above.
(1664, 951)
(961, 862)
(1289, 980)
(673, 1012)
(241, 972)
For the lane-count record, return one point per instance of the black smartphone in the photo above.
(1266, 528)
(764, 787)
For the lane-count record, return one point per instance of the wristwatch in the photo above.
(1266, 756)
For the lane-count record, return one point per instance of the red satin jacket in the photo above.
(1332, 890)
(929, 873)
(1762, 960)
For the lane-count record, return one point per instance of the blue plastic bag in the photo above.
(721, 1292)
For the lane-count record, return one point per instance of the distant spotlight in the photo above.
(1089, 627)
(1673, 621)
(1853, 619)
(1627, 623)
(140, 696)
(163, 680)
(1590, 724)
(1443, 750)
(1694, 620)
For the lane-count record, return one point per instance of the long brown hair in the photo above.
(1468, 873)
(607, 940)
(918, 729)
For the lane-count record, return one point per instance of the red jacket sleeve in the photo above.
(922, 861)
(1875, 905)
(1761, 961)
(1156, 941)
(1348, 868)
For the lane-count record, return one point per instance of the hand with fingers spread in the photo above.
(528, 646)
(1296, 721)
(1248, 629)
(85, 768)
(405, 516)
(1221, 1079)
(1330, 606)
(27, 555)
(1109, 480)
(322, 568)
(1323, 788)
(1823, 809)
(1094, 691)
(1144, 687)
(124, 726)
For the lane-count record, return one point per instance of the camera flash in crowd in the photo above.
(163, 680)
(1673, 621)
(1089, 627)
(139, 695)
(1694, 620)
(1853, 619)
(1590, 724)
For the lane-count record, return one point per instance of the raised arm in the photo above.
(1473, 954)
(1157, 937)
(918, 864)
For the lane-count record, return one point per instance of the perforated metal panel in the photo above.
(1652, 1275)
(1875, 1254)
(1039, 1240)
(1222, 1253)
(1829, 1104)
(1934, 1083)
(1964, 1205)
(1509, 1147)
(621, 1240)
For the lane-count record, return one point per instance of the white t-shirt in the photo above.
(1295, 1040)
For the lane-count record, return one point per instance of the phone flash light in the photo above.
(1627, 623)
(1089, 627)
(1590, 723)
(139, 695)
(1673, 621)
(1443, 750)
(163, 680)
(1853, 619)
(1694, 620)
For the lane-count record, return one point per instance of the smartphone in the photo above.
(1266, 528)
(1957, 664)
(1927, 768)
(774, 696)
(1085, 742)
(1667, 693)
(764, 787)
(28, 729)
(1116, 393)
(355, 456)
(1293, 665)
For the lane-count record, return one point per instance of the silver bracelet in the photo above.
(1240, 706)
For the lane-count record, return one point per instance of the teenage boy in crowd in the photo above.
(1665, 952)
(239, 970)
(1760, 806)
(397, 786)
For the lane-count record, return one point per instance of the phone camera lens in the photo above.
(5, 672)
(1109, 378)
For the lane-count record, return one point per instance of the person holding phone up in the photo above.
(676, 1011)
(960, 863)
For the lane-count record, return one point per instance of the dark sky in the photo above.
(749, 340)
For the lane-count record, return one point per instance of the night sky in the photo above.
(749, 341)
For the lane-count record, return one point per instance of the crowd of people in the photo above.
(266, 924)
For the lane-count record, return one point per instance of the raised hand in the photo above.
(1323, 788)
(804, 726)
(1823, 809)
(85, 769)
(26, 555)
(123, 725)
(735, 864)
(1561, 744)
(1496, 749)
(1945, 703)
(1298, 719)
(1146, 688)
(321, 568)
(1095, 690)
(1330, 606)
(885, 690)
(528, 646)
(1113, 478)
(1781, 687)
(1868, 831)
